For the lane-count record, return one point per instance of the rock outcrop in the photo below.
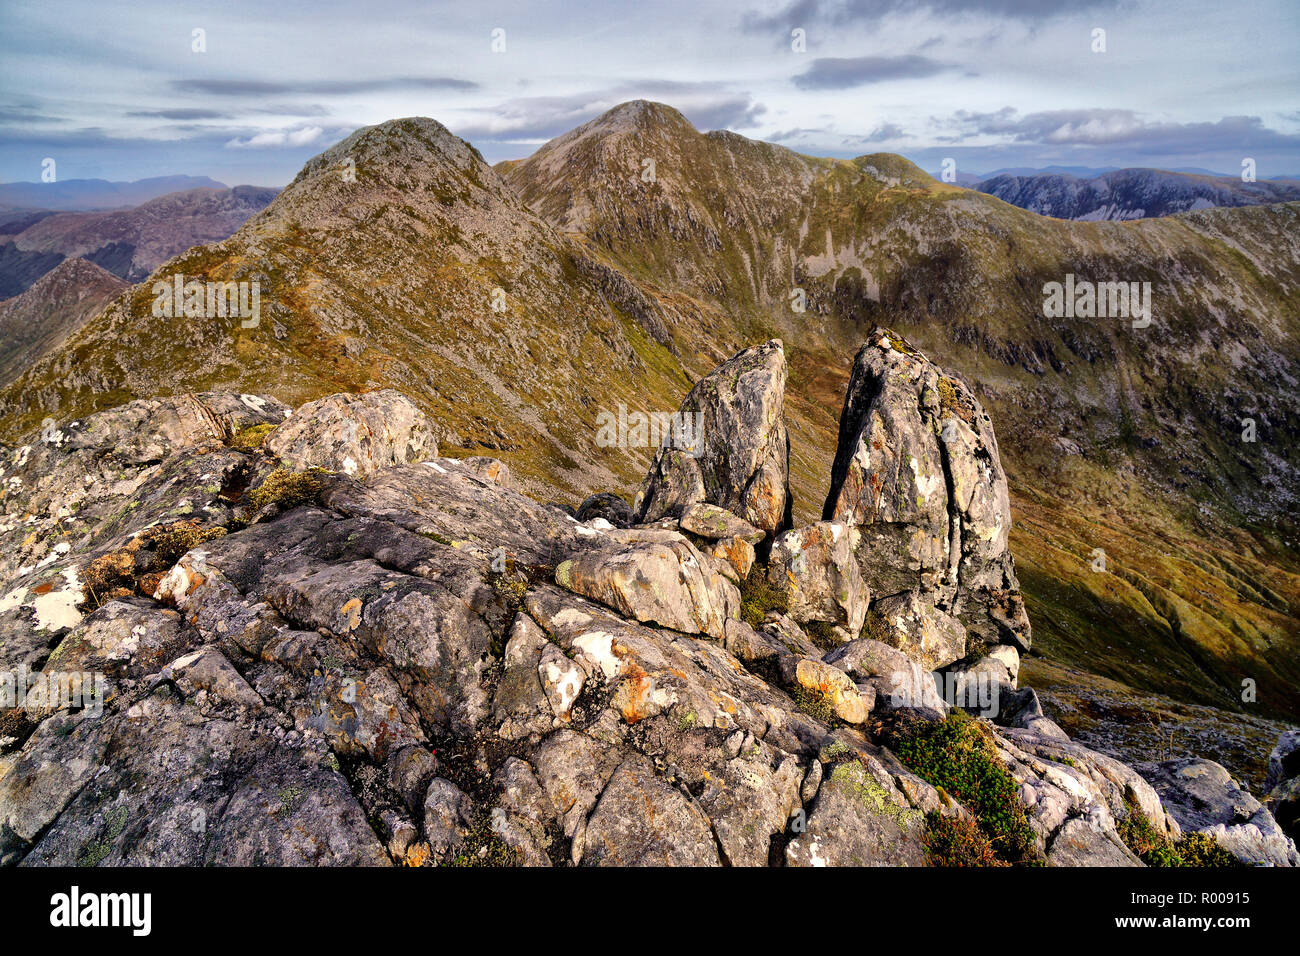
(417, 664)
(737, 455)
(1282, 785)
(1202, 796)
(917, 473)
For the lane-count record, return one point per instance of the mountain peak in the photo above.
(417, 139)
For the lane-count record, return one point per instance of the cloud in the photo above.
(840, 73)
(321, 88)
(839, 13)
(1117, 127)
(181, 114)
(276, 139)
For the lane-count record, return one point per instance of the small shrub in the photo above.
(958, 755)
(947, 397)
(823, 635)
(758, 597)
(108, 576)
(876, 628)
(958, 841)
(1155, 849)
(288, 489)
(250, 437)
(170, 544)
(814, 703)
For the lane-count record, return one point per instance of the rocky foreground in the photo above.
(318, 642)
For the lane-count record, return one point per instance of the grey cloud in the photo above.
(806, 13)
(839, 73)
(181, 114)
(320, 88)
(882, 133)
(1114, 127)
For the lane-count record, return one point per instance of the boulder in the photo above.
(900, 683)
(714, 523)
(354, 434)
(859, 818)
(1282, 783)
(740, 458)
(911, 623)
(669, 584)
(816, 566)
(607, 505)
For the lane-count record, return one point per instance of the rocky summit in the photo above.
(255, 634)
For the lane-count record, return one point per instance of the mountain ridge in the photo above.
(389, 281)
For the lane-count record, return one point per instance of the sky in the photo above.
(128, 91)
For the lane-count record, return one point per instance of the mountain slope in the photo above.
(621, 288)
(37, 322)
(1131, 193)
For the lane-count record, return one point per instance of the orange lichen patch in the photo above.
(417, 855)
(351, 611)
(633, 695)
(676, 672)
(45, 588)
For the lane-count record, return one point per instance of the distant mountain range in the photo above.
(129, 243)
(90, 194)
(1116, 194)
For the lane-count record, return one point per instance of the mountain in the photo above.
(37, 321)
(130, 243)
(74, 194)
(1131, 193)
(515, 305)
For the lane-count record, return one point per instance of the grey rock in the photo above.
(643, 821)
(911, 623)
(1202, 796)
(816, 566)
(448, 817)
(859, 818)
(669, 584)
(354, 434)
(605, 504)
(714, 523)
(740, 460)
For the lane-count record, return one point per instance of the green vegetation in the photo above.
(957, 755)
(1155, 849)
(288, 489)
(250, 438)
(814, 703)
(823, 635)
(93, 853)
(482, 847)
(958, 841)
(757, 597)
(171, 543)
